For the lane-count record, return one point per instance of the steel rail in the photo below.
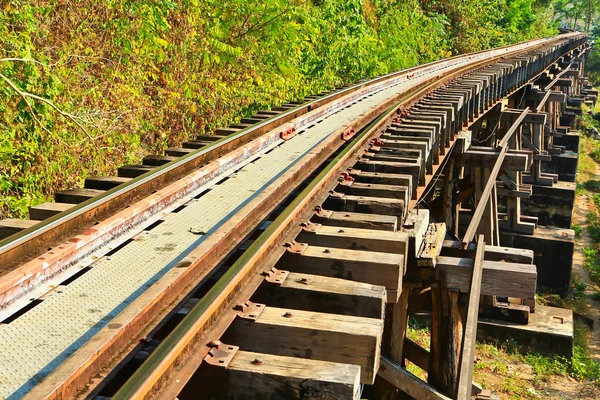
(26, 244)
(143, 381)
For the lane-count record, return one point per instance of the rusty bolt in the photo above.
(303, 280)
(288, 314)
(214, 343)
(341, 231)
(326, 251)
(257, 361)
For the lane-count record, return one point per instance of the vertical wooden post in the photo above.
(448, 201)
(446, 337)
(393, 343)
(399, 325)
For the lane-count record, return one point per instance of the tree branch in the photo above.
(26, 95)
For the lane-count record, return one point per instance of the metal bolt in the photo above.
(341, 231)
(214, 343)
(288, 314)
(326, 251)
(303, 280)
(257, 361)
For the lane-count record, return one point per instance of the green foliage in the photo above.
(592, 261)
(578, 231)
(592, 185)
(138, 76)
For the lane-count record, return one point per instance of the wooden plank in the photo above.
(355, 239)
(452, 248)
(277, 377)
(133, 171)
(431, 246)
(178, 151)
(76, 196)
(305, 334)
(356, 220)
(416, 354)
(384, 269)
(325, 295)
(104, 182)
(412, 169)
(407, 382)
(46, 210)
(11, 226)
(381, 178)
(513, 161)
(393, 157)
(374, 190)
(154, 160)
(465, 377)
(522, 282)
(364, 204)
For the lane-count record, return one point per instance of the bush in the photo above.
(138, 76)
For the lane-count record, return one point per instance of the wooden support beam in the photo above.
(104, 182)
(364, 204)
(304, 334)
(522, 282)
(11, 226)
(384, 269)
(407, 382)
(374, 190)
(252, 375)
(412, 169)
(465, 377)
(354, 238)
(46, 210)
(381, 178)
(446, 333)
(321, 294)
(513, 161)
(356, 220)
(76, 196)
(510, 115)
(453, 248)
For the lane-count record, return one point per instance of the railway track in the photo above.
(271, 269)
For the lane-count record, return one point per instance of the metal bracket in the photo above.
(288, 132)
(377, 142)
(348, 133)
(346, 178)
(221, 355)
(335, 194)
(319, 212)
(276, 276)
(250, 310)
(312, 227)
(296, 248)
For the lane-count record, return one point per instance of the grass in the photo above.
(500, 367)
